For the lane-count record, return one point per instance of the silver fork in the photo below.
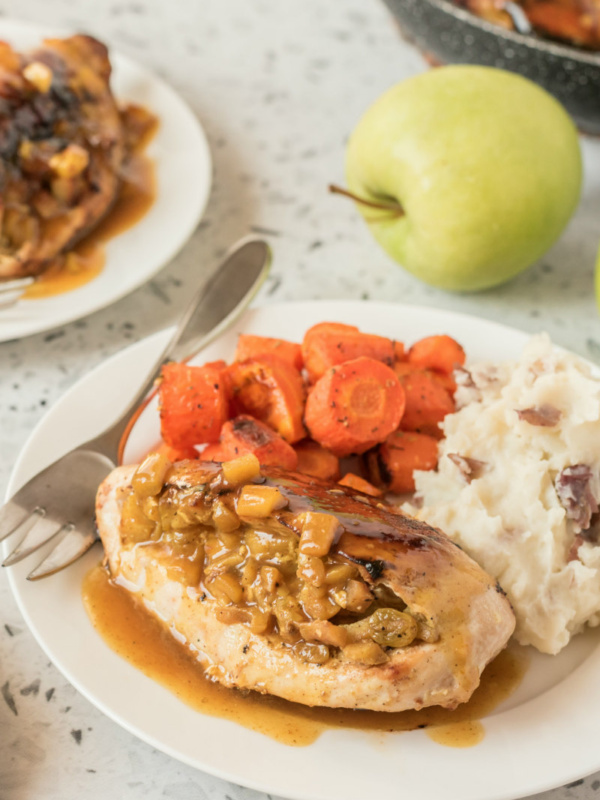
(58, 503)
(12, 291)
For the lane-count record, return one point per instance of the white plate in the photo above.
(183, 174)
(545, 735)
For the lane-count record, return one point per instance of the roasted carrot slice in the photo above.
(213, 452)
(317, 461)
(447, 381)
(219, 364)
(440, 353)
(354, 406)
(244, 434)
(404, 368)
(272, 391)
(360, 484)
(314, 365)
(193, 405)
(330, 343)
(256, 346)
(427, 403)
(399, 351)
(392, 464)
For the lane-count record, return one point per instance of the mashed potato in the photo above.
(517, 486)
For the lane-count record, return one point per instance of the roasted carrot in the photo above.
(272, 391)
(427, 403)
(314, 365)
(392, 464)
(447, 381)
(404, 368)
(256, 346)
(354, 406)
(331, 343)
(317, 461)
(193, 405)
(399, 351)
(244, 434)
(219, 364)
(360, 484)
(440, 353)
(213, 452)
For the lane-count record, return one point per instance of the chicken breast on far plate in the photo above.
(312, 592)
(64, 144)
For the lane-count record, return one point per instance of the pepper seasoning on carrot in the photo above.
(392, 464)
(243, 435)
(439, 353)
(272, 391)
(354, 406)
(250, 346)
(193, 405)
(427, 400)
(329, 344)
(403, 369)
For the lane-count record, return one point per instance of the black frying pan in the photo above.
(449, 34)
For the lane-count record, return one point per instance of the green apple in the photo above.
(478, 171)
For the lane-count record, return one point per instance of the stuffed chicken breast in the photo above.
(289, 586)
(63, 146)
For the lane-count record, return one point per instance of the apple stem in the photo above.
(392, 206)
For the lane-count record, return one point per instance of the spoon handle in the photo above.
(216, 305)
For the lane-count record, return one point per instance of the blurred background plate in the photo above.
(448, 34)
(183, 170)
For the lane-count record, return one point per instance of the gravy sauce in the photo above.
(85, 260)
(137, 636)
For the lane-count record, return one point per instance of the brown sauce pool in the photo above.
(85, 261)
(135, 635)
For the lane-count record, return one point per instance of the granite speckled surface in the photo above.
(278, 87)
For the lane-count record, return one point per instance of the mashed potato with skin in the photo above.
(501, 490)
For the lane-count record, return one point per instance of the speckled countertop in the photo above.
(278, 87)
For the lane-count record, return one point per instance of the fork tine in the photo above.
(11, 517)
(12, 291)
(72, 546)
(8, 300)
(16, 284)
(38, 532)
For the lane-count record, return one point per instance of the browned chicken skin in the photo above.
(62, 148)
(312, 592)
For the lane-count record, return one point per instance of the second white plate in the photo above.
(183, 175)
(545, 735)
